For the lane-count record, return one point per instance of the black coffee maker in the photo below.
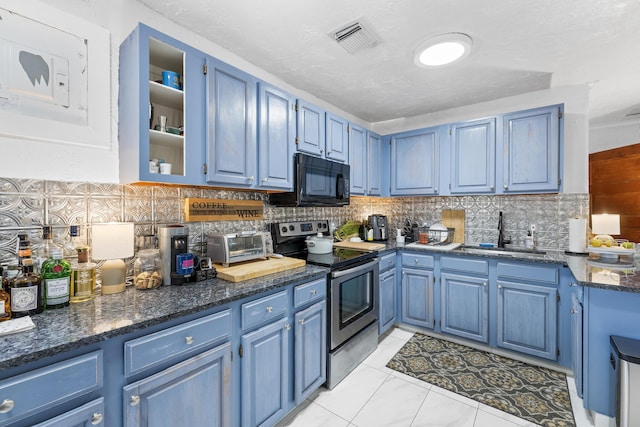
(378, 223)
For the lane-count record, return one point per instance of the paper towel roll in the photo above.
(577, 235)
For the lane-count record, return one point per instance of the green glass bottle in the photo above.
(56, 277)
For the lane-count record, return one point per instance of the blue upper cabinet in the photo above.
(337, 138)
(310, 124)
(374, 164)
(473, 157)
(532, 150)
(159, 121)
(358, 160)
(231, 148)
(414, 162)
(276, 137)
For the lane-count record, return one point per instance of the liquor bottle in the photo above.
(44, 252)
(5, 299)
(55, 273)
(70, 247)
(25, 291)
(24, 248)
(83, 277)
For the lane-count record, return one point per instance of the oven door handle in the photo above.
(367, 266)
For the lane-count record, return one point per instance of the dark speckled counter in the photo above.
(111, 315)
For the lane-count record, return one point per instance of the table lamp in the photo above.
(111, 242)
(604, 225)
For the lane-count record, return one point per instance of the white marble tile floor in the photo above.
(374, 395)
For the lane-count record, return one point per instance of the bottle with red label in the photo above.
(55, 273)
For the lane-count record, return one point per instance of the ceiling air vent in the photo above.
(355, 37)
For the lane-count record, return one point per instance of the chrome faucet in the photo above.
(501, 239)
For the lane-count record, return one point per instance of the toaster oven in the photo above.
(230, 248)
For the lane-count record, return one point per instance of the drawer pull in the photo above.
(96, 418)
(415, 260)
(287, 326)
(189, 340)
(269, 309)
(134, 400)
(6, 406)
(314, 291)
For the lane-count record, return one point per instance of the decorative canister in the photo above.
(147, 269)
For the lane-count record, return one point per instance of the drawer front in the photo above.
(417, 260)
(467, 265)
(263, 309)
(387, 262)
(44, 388)
(530, 273)
(154, 349)
(309, 292)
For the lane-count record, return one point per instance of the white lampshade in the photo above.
(605, 224)
(112, 242)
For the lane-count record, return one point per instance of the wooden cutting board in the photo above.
(257, 268)
(455, 218)
(365, 246)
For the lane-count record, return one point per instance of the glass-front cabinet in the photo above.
(161, 99)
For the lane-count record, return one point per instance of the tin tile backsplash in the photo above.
(27, 204)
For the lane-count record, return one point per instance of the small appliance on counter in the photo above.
(230, 248)
(379, 225)
(178, 264)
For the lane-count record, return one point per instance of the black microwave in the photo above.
(317, 182)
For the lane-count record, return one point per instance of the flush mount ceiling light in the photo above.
(442, 50)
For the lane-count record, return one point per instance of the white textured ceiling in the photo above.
(519, 46)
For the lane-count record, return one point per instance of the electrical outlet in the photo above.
(532, 228)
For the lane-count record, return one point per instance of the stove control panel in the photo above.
(302, 228)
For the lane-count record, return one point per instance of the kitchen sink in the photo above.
(502, 252)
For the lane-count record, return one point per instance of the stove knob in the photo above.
(284, 229)
(291, 227)
(320, 225)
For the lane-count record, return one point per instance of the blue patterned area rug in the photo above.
(532, 393)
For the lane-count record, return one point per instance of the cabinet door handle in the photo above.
(321, 150)
(265, 179)
(96, 418)
(415, 260)
(573, 311)
(6, 406)
(491, 187)
(134, 400)
(499, 286)
(301, 321)
(251, 178)
(484, 284)
(287, 326)
(435, 189)
(189, 340)
(506, 186)
(269, 309)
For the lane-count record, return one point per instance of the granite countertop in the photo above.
(622, 276)
(107, 316)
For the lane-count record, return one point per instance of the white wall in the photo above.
(613, 135)
(120, 17)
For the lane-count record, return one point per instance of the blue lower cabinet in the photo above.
(465, 306)
(310, 354)
(195, 392)
(417, 297)
(387, 301)
(91, 414)
(265, 369)
(527, 319)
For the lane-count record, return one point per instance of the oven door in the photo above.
(353, 301)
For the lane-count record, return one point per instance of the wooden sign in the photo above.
(222, 210)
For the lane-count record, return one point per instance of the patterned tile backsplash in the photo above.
(27, 204)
